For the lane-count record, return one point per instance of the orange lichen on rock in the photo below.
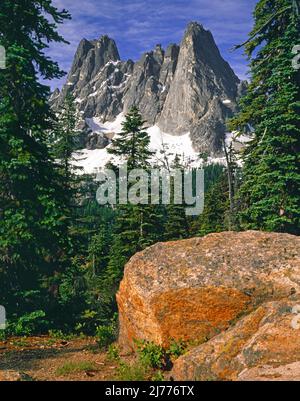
(196, 289)
(197, 313)
(259, 345)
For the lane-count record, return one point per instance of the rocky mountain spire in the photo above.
(202, 82)
(144, 87)
(186, 88)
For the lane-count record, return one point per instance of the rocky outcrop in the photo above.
(97, 80)
(144, 86)
(195, 289)
(203, 80)
(262, 346)
(187, 88)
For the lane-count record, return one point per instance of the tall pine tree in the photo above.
(270, 193)
(176, 226)
(33, 235)
(215, 214)
(137, 226)
(132, 144)
(63, 138)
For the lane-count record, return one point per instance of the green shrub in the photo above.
(3, 335)
(28, 324)
(151, 354)
(177, 348)
(158, 377)
(113, 352)
(60, 335)
(107, 334)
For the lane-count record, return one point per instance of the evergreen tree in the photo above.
(176, 226)
(63, 139)
(270, 193)
(213, 173)
(132, 144)
(33, 234)
(232, 171)
(136, 226)
(215, 214)
(98, 293)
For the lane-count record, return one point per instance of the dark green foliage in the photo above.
(63, 138)
(133, 142)
(33, 206)
(177, 348)
(215, 202)
(176, 226)
(212, 174)
(107, 334)
(270, 193)
(28, 324)
(136, 226)
(151, 354)
(213, 218)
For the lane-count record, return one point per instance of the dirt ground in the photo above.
(43, 358)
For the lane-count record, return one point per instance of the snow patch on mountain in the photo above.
(168, 146)
(165, 146)
(97, 126)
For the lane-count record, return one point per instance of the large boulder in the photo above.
(197, 288)
(264, 345)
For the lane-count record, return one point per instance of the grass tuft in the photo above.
(75, 367)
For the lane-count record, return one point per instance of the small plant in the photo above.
(106, 335)
(75, 367)
(59, 335)
(28, 324)
(113, 352)
(56, 334)
(50, 341)
(158, 377)
(3, 335)
(151, 354)
(177, 348)
(20, 342)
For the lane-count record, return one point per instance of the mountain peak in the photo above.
(194, 26)
(184, 89)
(203, 79)
(105, 39)
(108, 48)
(196, 32)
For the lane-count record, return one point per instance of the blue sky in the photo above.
(138, 25)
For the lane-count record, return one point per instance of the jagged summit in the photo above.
(182, 89)
(203, 92)
(194, 26)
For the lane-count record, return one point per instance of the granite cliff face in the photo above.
(97, 79)
(187, 88)
(203, 91)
